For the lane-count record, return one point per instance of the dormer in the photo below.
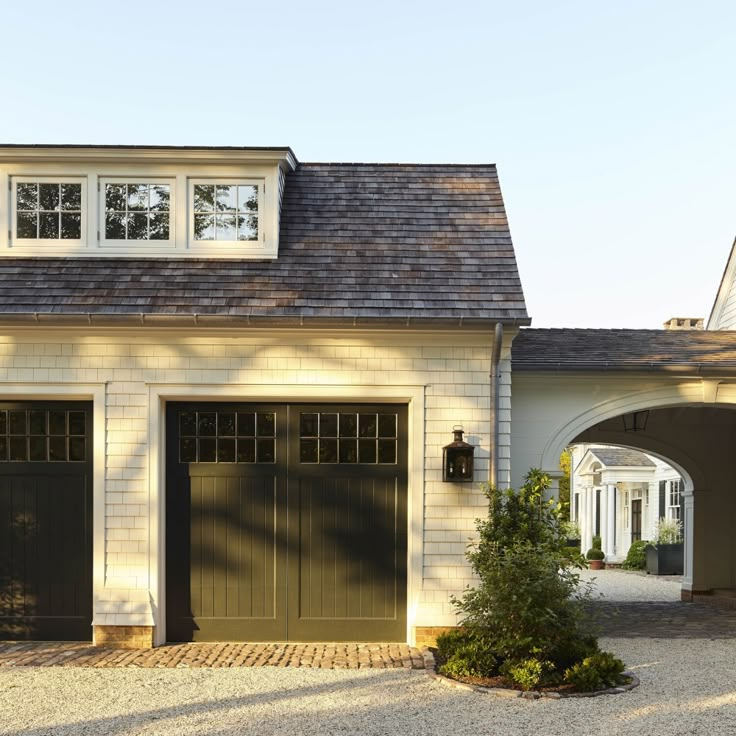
(141, 202)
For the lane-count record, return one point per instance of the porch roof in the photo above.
(621, 349)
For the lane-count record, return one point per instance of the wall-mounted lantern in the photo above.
(457, 459)
(636, 421)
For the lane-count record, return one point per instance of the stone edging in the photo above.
(502, 692)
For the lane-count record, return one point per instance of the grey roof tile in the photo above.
(387, 241)
(622, 457)
(577, 349)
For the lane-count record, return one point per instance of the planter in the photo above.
(666, 559)
(573, 542)
(596, 564)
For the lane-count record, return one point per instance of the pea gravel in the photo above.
(688, 686)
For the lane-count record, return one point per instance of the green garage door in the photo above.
(286, 522)
(46, 521)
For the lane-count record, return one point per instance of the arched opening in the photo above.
(623, 496)
(694, 438)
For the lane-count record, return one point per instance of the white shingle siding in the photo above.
(453, 373)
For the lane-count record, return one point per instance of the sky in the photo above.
(612, 124)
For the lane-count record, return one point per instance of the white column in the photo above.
(688, 538)
(604, 519)
(588, 533)
(610, 520)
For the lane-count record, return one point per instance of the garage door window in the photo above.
(42, 436)
(227, 437)
(360, 438)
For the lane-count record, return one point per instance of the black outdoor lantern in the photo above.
(636, 421)
(457, 459)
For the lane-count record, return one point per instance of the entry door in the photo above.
(636, 520)
(286, 522)
(46, 521)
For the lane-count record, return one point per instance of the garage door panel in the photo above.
(225, 550)
(45, 556)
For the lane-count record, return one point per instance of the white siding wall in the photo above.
(453, 372)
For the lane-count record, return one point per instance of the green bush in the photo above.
(597, 542)
(574, 650)
(598, 671)
(668, 531)
(529, 673)
(595, 553)
(528, 603)
(636, 558)
(466, 655)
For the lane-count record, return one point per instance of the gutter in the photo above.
(495, 377)
(112, 319)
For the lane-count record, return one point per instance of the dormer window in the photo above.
(141, 202)
(47, 210)
(137, 210)
(225, 211)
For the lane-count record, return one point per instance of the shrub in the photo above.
(636, 558)
(574, 650)
(466, 655)
(528, 603)
(668, 531)
(529, 673)
(597, 542)
(571, 529)
(598, 671)
(595, 553)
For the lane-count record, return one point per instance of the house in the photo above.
(723, 314)
(620, 494)
(227, 378)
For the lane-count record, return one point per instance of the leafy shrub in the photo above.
(529, 673)
(668, 531)
(636, 558)
(595, 553)
(571, 529)
(466, 655)
(528, 602)
(573, 650)
(598, 671)
(597, 542)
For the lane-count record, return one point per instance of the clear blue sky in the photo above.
(612, 123)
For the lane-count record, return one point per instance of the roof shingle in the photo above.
(578, 349)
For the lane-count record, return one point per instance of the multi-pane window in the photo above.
(626, 509)
(365, 438)
(47, 210)
(227, 437)
(137, 211)
(42, 436)
(225, 211)
(674, 497)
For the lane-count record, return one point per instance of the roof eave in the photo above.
(56, 319)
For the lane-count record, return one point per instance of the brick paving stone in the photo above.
(216, 654)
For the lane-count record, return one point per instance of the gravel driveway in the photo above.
(687, 688)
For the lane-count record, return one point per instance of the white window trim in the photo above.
(44, 246)
(227, 245)
(122, 166)
(142, 246)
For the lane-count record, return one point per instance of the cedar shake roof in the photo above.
(359, 244)
(580, 350)
(621, 457)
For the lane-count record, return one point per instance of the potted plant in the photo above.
(666, 556)
(596, 555)
(571, 531)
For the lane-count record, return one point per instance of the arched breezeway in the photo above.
(690, 415)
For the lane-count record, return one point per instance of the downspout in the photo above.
(495, 377)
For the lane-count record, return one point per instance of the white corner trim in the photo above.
(160, 393)
(96, 392)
